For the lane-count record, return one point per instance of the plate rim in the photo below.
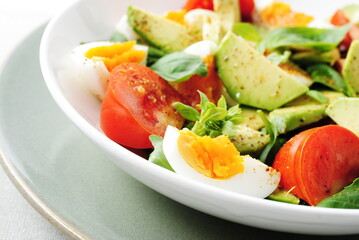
(18, 180)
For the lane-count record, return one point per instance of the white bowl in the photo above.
(89, 20)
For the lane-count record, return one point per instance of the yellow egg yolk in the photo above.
(213, 157)
(116, 54)
(177, 16)
(281, 15)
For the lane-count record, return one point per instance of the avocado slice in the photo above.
(228, 12)
(290, 118)
(302, 111)
(167, 35)
(351, 70)
(248, 140)
(344, 111)
(251, 118)
(251, 79)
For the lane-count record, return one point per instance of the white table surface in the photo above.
(18, 220)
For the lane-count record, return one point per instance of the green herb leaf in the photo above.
(347, 198)
(186, 111)
(278, 58)
(327, 76)
(179, 66)
(269, 151)
(318, 96)
(246, 30)
(303, 38)
(213, 120)
(157, 156)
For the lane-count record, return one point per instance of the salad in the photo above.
(254, 98)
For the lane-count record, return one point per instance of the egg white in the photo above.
(94, 74)
(258, 179)
(202, 48)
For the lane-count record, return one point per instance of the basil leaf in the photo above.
(303, 38)
(180, 66)
(318, 96)
(327, 76)
(157, 156)
(246, 30)
(186, 111)
(347, 198)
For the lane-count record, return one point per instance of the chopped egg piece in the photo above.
(93, 62)
(216, 161)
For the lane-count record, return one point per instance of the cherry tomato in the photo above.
(211, 85)
(318, 162)
(137, 104)
(246, 6)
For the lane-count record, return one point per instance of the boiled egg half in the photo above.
(92, 62)
(217, 162)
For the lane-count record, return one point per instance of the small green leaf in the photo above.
(179, 66)
(186, 111)
(273, 133)
(214, 114)
(157, 156)
(318, 96)
(203, 101)
(222, 102)
(246, 30)
(347, 198)
(327, 76)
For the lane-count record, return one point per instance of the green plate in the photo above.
(72, 184)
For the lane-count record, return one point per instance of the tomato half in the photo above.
(246, 6)
(318, 162)
(137, 104)
(211, 85)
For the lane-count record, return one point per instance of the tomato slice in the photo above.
(246, 6)
(318, 162)
(211, 85)
(137, 104)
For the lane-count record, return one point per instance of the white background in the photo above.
(18, 220)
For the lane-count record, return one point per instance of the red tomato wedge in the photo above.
(137, 104)
(246, 6)
(211, 85)
(318, 162)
